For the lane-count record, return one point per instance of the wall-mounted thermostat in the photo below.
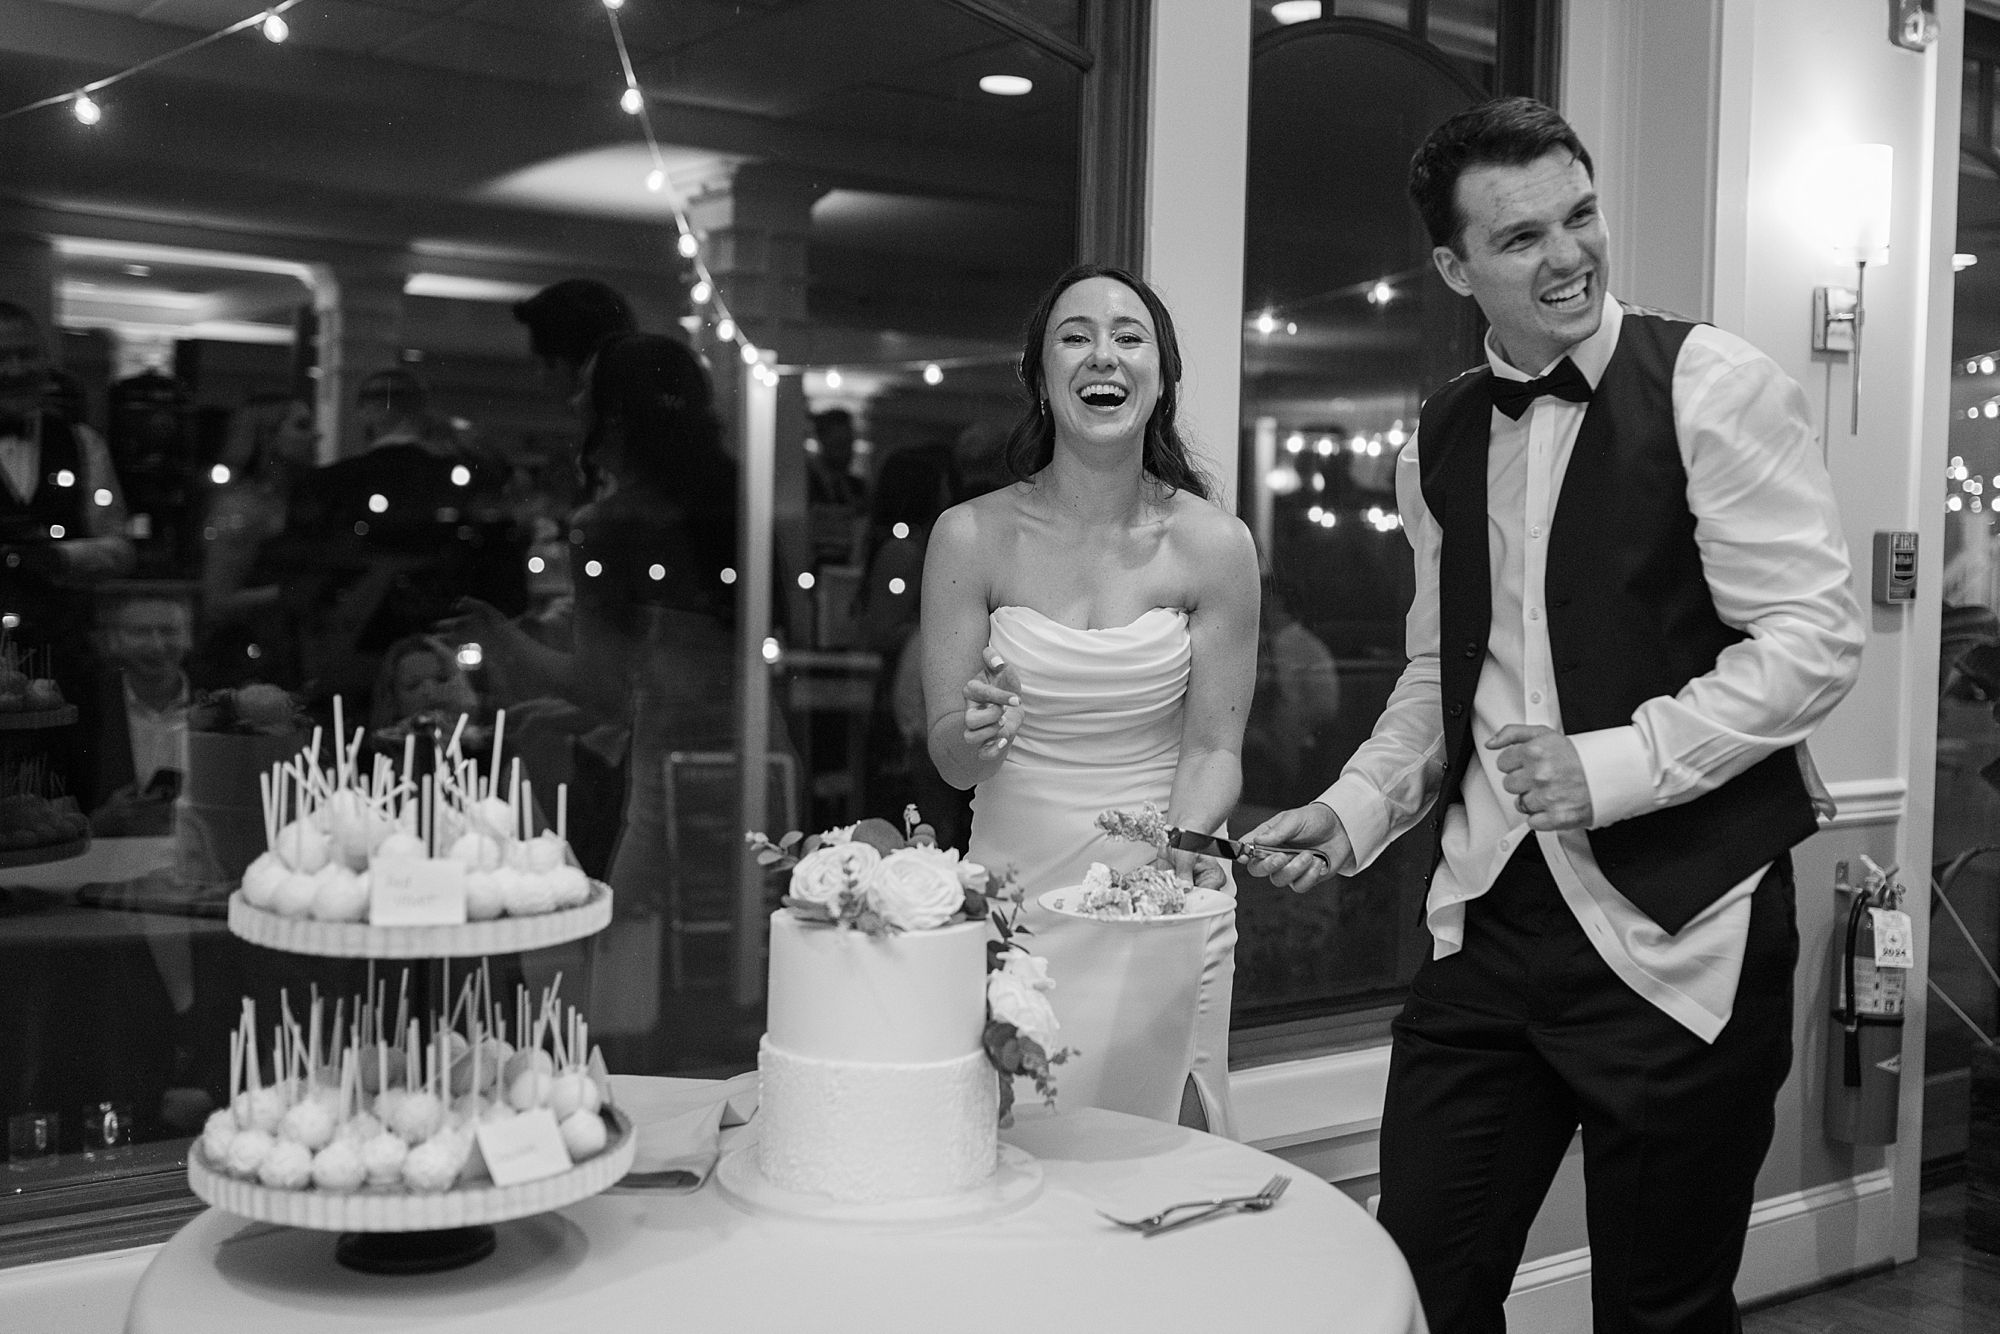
(1895, 568)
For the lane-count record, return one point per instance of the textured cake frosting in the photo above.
(874, 1084)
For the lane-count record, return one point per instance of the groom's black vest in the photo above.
(1630, 617)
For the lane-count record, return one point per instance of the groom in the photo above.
(1631, 609)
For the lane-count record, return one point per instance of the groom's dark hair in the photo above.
(1032, 442)
(1506, 132)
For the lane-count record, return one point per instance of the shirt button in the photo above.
(1535, 698)
(1457, 709)
(1536, 531)
(1534, 613)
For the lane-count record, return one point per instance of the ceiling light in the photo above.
(1295, 11)
(1381, 294)
(1006, 85)
(1266, 322)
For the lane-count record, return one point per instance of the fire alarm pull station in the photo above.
(1895, 568)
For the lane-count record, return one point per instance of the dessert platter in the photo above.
(893, 1038)
(1146, 894)
(409, 1136)
(372, 862)
(39, 822)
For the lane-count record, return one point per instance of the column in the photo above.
(754, 232)
(359, 308)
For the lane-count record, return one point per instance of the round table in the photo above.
(648, 1261)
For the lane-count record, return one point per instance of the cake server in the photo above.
(1229, 849)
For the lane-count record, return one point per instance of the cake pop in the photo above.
(528, 894)
(261, 879)
(302, 847)
(295, 895)
(482, 896)
(400, 844)
(417, 1117)
(338, 1167)
(307, 1123)
(544, 852)
(268, 1106)
(248, 1151)
(288, 1166)
(492, 817)
(433, 1165)
(383, 1157)
(217, 1133)
(359, 1128)
(370, 1066)
(342, 896)
(570, 885)
(566, 1093)
(583, 1134)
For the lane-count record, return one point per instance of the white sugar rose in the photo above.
(916, 888)
(1013, 998)
(835, 837)
(830, 870)
(971, 875)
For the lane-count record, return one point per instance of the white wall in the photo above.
(1197, 141)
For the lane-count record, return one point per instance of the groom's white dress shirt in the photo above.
(1777, 568)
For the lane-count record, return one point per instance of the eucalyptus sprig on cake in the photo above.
(868, 877)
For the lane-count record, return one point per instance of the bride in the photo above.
(1090, 642)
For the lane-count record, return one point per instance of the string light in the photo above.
(933, 374)
(833, 379)
(614, 5)
(85, 107)
(700, 293)
(656, 180)
(725, 329)
(749, 355)
(689, 247)
(632, 101)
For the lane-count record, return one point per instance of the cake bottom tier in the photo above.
(867, 1132)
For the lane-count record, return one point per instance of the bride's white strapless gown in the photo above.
(1146, 1008)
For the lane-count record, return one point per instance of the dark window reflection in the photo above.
(409, 399)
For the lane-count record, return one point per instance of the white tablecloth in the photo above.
(694, 1262)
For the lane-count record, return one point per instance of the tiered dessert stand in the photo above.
(20, 724)
(394, 1231)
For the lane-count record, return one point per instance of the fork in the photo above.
(1273, 1188)
(1257, 1203)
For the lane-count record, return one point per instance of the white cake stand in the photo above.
(1014, 1185)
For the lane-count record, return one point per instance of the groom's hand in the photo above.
(1545, 774)
(1313, 826)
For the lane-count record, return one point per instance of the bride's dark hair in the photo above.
(1032, 442)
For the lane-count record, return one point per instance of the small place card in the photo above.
(521, 1148)
(416, 891)
(1895, 941)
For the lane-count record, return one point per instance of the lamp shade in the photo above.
(1856, 193)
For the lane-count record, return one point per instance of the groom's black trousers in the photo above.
(1505, 1047)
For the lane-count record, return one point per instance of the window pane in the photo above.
(1346, 328)
(298, 447)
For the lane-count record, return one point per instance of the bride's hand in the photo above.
(993, 707)
(1203, 872)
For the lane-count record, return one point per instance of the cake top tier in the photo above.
(905, 998)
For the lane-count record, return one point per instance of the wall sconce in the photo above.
(1855, 196)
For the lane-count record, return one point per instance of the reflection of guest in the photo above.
(247, 629)
(652, 638)
(1629, 616)
(566, 321)
(838, 499)
(135, 751)
(62, 512)
(915, 486)
(1298, 692)
(421, 675)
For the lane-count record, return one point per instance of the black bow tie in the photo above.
(1513, 397)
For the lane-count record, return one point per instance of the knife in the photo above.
(1228, 849)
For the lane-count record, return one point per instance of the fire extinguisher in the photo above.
(1872, 959)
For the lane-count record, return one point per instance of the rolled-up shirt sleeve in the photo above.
(1776, 562)
(1391, 780)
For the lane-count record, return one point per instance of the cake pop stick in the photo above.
(527, 807)
(457, 731)
(562, 811)
(499, 736)
(339, 743)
